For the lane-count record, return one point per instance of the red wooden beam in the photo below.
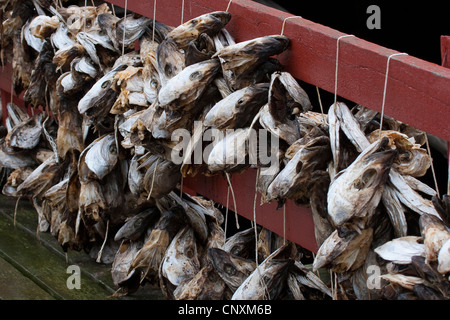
(445, 51)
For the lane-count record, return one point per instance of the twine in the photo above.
(337, 65)
(284, 22)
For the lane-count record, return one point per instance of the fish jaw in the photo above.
(356, 191)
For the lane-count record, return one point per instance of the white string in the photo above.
(234, 199)
(85, 9)
(385, 86)
(284, 224)
(182, 11)
(284, 22)
(228, 7)
(337, 65)
(124, 27)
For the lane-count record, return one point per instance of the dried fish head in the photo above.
(186, 87)
(9, 158)
(268, 279)
(137, 225)
(27, 134)
(181, 261)
(121, 265)
(239, 108)
(205, 285)
(43, 26)
(345, 254)
(102, 156)
(210, 23)
(357, 190)
(296, 178)
(134, 27)
(241, 244)
(161, 178)
(231, 268)
(170, 60)
(243, 58)
(434, 233)
(411, 159)
(99, 99)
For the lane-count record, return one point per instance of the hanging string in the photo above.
(85, 17)
(226, 211)
(432, 166)
(321, 106)
(99, 256)
(284, 22)
(228, 7)
(124, 27)
(154, 20)
(337, 65)
(385, 87)
(284, 224)
(254, 215)
(182, 11)
(153, 180)
(234, 199)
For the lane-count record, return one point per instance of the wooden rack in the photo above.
(418, 91)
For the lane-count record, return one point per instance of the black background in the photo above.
(413, 27)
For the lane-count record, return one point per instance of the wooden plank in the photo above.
(418, 91)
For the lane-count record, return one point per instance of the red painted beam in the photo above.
(445, 51)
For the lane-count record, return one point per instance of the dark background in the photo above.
(406, 26)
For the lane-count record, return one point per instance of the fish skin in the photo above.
(180, 261)
(267, 281)
(434, 233)
(209, 23)
(170, 60)
(344, 254)
(241, 244)
(27, 134)
(244, 58)
(231, 268)
(187, 86)
(97, 101)
(357, 190)
(135, 227)
(237, 109)
(102, 156)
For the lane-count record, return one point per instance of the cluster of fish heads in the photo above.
(99, 161)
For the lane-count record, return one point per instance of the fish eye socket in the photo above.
(105, 84)
(299, 167)
(235, 250)
(138, 222)
(195, 75)
(229, 269)
(168, 70)
(241, 101)
(405, 156)
(113, 149)
(154, 84)
(189, 253)
(366, 180)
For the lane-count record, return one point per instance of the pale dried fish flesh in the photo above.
(401, 250)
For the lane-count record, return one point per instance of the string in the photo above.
(337, 65)
(284, 224)
(228, 7)
(85, 9)
(432, 166)
(226, 211)
(284, 22)
(182, 11)
(321, 106)
(99, 256)
(234, 199)
(154, 20)
(254, 216)
(385, 87)
(124, 26)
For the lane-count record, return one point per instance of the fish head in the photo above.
(232, 269)
(356, 191)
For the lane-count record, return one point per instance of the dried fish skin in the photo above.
(210, 23)
(134, 28)
(180, 261)
(231, 268)
(407, 282)
(355, 193)
(240, 59)
(241, 244)
(10, 158)
(43, 26)
(102, 156)
(296, 178)
(100, 98)
(187, 86)
(267, 280)
(401, 250)
(64, 57)
(344, 254)
(237, 109)
(91, 201)
(205, 285)
(395, 210)
(27, 134)
(121, 265)
(170, 60)
(135, 227)
(411, 159)
(161, 178)
(434, 233)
